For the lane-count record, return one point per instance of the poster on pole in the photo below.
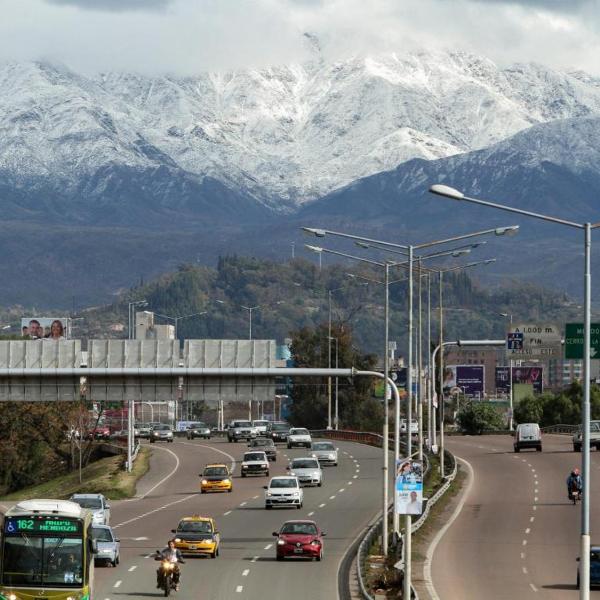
(531, 375)
(469, 378)
(409, 487)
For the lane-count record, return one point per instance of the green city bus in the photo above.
(46, 552)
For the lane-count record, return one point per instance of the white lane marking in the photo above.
(245, 572)
(442, 531)
(531, 519)
(523, 555)
(342, 490)
(527, 531)
(118, 584)
(523, 460)
(132, 568)
(254, 559)
(533, 470)
(310, 514)
(231, 458)
(535, 499)
(151, 512)
(332, 497)
(227, 513)
(524, 570)
(149, 556)
(355, 477)
(524, 542)
(350, 455)
(268, 546)
(164, 478)
(536, 491)
(533, 587)
(349, 483)
(322, 505)
(244, 504)
(239, 589)
(255, 497)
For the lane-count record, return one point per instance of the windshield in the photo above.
(323, 446)
(299, 431)
(195, 527)
(102, 534)
(48, 561)
(284, 483)
(242, 424)
(305, 463)
(260, 423)
(280, 427)
(92, 503)
(197, 425)
(299, 528)
(255, 456)
(262, 442)
(212, 471)
(162, 428)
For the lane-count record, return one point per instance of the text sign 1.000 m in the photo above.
(574, 341)
(533, 340)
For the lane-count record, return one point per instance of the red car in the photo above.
(300, 539)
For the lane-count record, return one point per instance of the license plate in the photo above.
(298, 551)
(192, 547)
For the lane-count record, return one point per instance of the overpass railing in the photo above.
(562, 429)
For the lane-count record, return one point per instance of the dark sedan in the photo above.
(299, 539)
(266, 445)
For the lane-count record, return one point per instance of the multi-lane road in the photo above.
(517, 535)
(246, 567)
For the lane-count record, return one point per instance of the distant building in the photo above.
(145, 329)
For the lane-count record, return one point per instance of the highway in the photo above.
(246, 568)
(517, 535)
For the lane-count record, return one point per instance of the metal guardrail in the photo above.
(560, 429)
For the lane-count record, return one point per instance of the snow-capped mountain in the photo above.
(285, 135)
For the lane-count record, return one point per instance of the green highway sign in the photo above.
(574, 341)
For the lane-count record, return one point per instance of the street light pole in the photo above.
(329, 363)
(448, 192)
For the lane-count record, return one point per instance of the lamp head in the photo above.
(512, 230)
(446, 191)
(362, 245)
(461, 252)
(489, 261)
(316, 249)
(314, 231)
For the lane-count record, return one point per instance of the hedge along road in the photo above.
(246, 568)
(517, 535)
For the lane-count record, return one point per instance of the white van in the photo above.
(528, 435)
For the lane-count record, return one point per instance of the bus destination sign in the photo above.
(36, 524)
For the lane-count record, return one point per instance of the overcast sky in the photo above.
(186, 36)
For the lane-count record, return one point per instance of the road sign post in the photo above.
(574, 341)
(525, 341)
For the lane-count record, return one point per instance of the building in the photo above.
(145, 328)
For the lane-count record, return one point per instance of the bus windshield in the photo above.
(41, 560)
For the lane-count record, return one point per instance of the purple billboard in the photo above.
(532, 375)
(469, 379)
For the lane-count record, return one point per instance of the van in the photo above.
(528, 435)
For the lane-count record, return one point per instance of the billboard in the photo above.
(54, 328)
(409, 487)
(531, 375)
(468, 378)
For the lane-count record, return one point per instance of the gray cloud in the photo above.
(114, 5)
(187, 36)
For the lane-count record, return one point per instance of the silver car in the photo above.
(97, 504)
(161, 433)
(307, 470)
(325, 452)
(108, 546)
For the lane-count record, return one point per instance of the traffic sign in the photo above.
(574, 341)
(533, 340)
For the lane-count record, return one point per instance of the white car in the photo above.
(283, 491)
(325, 452)
(298, 436)
(97, 504)
(307, 470)
(255, 463)
(261, 427)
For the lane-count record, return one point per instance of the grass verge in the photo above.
(105, 476)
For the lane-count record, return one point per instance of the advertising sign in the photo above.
(409, 487)
(469, 378)
(531, 375)
(533, 340)
(54, 328)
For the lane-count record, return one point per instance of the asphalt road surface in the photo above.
(246, 568)
(517, 536)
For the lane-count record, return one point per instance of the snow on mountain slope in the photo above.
(287, 134)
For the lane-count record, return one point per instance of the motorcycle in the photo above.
(165, 576)
(575, 495)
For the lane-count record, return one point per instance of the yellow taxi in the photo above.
(197, 535)
(216, 478)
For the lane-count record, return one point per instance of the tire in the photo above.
(214, 554)
(151, 441)
(230, 490)
(539, 449)
(299, 506)
(267, 473)
(113, 563)
(170, 441)
(578, 584)
(319, 484)
(289, 447)
(203, 491)
(268, 507)
(320, 557)
(280, 558)
(576, 447)
(517, 449)
(243, 474)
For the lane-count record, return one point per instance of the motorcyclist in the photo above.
(574, 483)
(171, 554)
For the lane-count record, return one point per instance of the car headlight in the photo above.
(268, 494)
(11, 597)
(315, 543)
(204, 481)
(155, 434)
(226, 481)
(332, 456)
(104, 551)
(264, 465)
(177, 539)
(296, 494)
(280, 542)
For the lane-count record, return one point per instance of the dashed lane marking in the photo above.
(533, 587)
(254, 559)
(239, 589)
(524, 542)
(332, 497)
(322, 505)
(523, 555)
(132, 568)
(226, 513)
(255, 497)
(268, 546)
(342, 490)
(531, 519)
(524, 570)
(243, 504)
(245, 572)
(310, 514)
(527, 531)
(118, 583)
(151, 512)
